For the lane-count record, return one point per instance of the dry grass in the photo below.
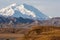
(34, 33)
(43, 33)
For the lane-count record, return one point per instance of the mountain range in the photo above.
(25, 13)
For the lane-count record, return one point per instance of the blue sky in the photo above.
(48, 7)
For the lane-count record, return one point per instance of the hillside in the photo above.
(32, 33)
(44, 33)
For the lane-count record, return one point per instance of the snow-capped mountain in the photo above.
(24, 11)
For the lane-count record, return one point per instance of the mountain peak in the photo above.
(24, 11)
(12, 5)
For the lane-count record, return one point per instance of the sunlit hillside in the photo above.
(44, 33)
(32, 33)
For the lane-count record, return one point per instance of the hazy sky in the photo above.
(48, 7)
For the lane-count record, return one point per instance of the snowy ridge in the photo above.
(24, 10)
(8, 11)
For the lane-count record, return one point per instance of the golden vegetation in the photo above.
(34, 33)
(43, 33)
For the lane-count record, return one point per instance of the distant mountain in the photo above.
(24, 11)
(55, 21)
